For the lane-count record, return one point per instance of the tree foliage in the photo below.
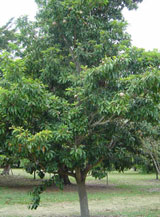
(7, 36)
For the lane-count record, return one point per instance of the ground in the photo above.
(129, 194)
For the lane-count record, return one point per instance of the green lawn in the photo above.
(128, 194)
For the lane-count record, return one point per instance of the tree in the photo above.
(92, 127)
(151, 152)
(95, 101)
(50, 56)
(149, 133)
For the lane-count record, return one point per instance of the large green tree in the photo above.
(92, 114)
(96, 124)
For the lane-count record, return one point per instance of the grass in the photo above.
(128, 194)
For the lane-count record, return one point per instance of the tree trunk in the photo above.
(66, 180)
(107, 179)
(6, 169)
(34, 174)
(61, 171)
(156, 165)
(135, 169)
(83, 199)
(157, 177)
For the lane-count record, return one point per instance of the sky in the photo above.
(16, 8)
(143, 23)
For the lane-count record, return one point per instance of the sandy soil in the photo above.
(55, 210)
(71, 209)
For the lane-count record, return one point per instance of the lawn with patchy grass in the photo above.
(127, 194)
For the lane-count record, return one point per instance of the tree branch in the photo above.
(101, 122)
(97, 122)
(89, 166)
(77, 63)
(112, 144)
(155, 163)
(65, 172)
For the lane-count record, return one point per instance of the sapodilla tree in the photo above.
(92, 123)
(77, 35)
(70, 35)
(101, 100)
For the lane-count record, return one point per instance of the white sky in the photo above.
(144, 23)
(16, 8)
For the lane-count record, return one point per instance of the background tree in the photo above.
(141, 60)
(23, 103)
(151, 148)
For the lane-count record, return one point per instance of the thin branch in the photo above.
(66, 173)
(101, 122)
(97, 122)
(155, 163)
(78, 66)
(77, 63)
(92, 117)
(155, 155)
(112, 144)
(89, 166)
